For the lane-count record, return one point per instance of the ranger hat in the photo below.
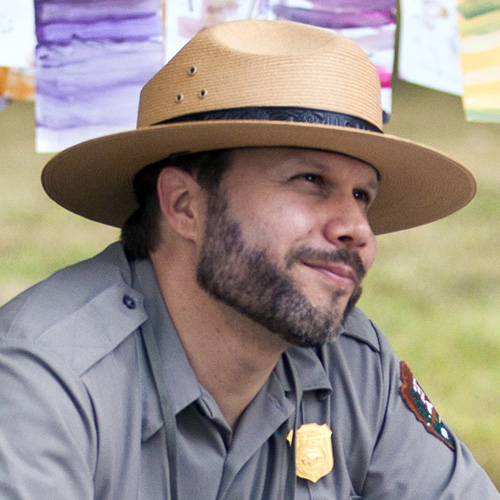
(261, 83)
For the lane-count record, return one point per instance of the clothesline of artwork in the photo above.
(91, 58)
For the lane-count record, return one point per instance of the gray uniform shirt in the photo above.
(81, 419)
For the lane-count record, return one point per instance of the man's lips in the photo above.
(340, 273)
(341, 267)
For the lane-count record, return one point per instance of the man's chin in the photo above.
(312, 337)
(315, 341)
(330, 331)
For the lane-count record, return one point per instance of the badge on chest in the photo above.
(313, 451)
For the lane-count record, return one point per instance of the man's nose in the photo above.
(346, 224)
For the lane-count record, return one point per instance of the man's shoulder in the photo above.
(80, 313)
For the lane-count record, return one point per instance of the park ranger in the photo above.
(216, 351)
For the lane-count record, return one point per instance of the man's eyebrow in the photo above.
(313, 162)
(374, 184)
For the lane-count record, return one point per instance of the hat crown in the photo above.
(258, 63)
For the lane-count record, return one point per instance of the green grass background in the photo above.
(434, 290)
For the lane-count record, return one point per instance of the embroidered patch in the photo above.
(419, 404)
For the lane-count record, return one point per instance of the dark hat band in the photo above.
(277, 113)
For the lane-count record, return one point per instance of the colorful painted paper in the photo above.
(185, 18)
(479, 28)
(17, 33)
(17, 83)
(428, 44)
(92, 59)
(370, 23)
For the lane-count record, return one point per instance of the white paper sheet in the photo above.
(428, 44)
(17, 33)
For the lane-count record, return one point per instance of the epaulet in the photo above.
(80, 313)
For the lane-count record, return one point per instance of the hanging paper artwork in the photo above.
(185, 18)
(370, 23)
(479, 28)
(92, 59)
(17, 50)
(17, 33)
(428, 44)
(17, 83)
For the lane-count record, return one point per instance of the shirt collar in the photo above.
(311, 372)
(359, 327)
(182, 381)
(310, 369)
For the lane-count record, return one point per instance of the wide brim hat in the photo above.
(261, 83)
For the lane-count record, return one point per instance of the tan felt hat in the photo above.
(262, 83)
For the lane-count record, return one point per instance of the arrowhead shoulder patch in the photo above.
(419, 404)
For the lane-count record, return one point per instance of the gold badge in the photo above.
(313, 451)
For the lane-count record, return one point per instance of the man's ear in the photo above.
(180, 197)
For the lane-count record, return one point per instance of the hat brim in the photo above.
(418, 184)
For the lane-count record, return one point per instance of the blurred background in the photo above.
(434, 290)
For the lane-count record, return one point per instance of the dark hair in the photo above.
(140, 233)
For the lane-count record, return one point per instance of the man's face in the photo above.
(287, 242)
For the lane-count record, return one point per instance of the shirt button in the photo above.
(129, 302)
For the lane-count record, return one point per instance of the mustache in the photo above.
(340, 255)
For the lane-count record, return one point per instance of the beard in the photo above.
(248, 280)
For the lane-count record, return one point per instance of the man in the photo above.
(216, 352)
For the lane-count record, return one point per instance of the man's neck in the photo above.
(231, 356)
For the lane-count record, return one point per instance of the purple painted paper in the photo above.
(353, 5)
(335, 18)
(92, 59)
(370, 23)
(338, 14)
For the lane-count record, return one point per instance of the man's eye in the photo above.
(362, 195)
(312, 178)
